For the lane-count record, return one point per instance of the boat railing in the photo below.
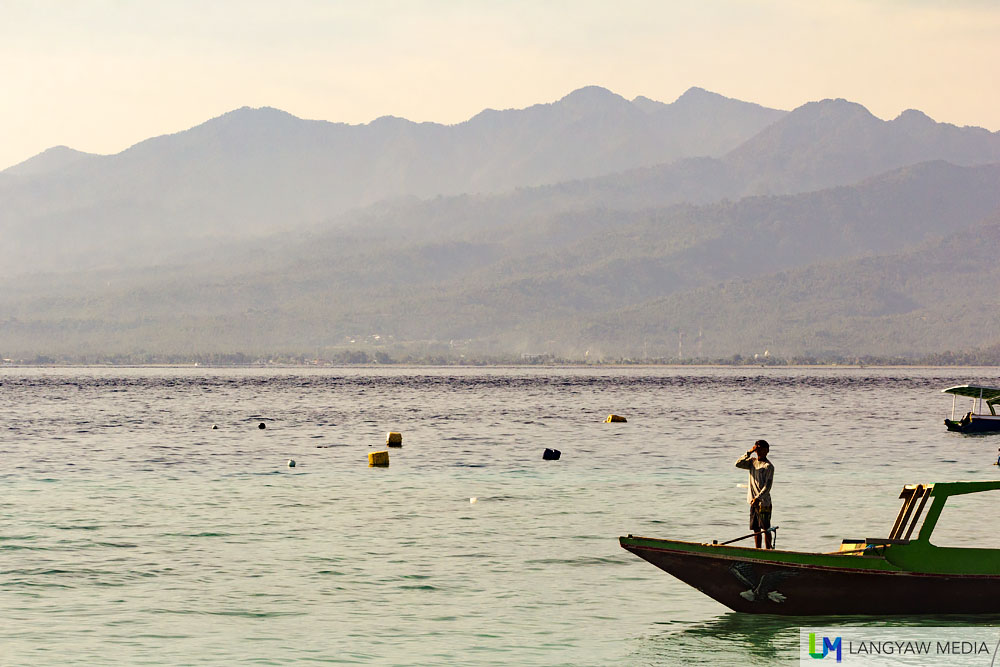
(915, 497)
(910, 495)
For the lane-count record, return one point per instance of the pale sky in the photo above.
(101, 75)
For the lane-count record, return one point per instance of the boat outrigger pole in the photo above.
(774, 541)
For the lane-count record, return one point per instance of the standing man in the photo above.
(759, 490)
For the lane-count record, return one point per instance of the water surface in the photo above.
(131, 531)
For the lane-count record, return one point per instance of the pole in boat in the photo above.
(759, 532)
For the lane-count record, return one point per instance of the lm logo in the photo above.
(828, 646)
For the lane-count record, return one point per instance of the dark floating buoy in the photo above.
(215, 427)
(614, 418)
(262, 425)
(394, 439)
(551, 455)
(291, 463)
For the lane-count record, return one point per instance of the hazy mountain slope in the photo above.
(836, 142)
(538, 281)
(712, 124)
(252, 173)
(259, 171)
(51, 160)
(928, 300)
(601, 259)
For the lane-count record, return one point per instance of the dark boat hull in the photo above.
(757, 585)
(977, 426)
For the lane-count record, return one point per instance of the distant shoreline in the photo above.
(288, 366)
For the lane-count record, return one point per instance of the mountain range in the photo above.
(593, 227)
(255, 172)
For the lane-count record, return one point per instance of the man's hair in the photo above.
(762, 444)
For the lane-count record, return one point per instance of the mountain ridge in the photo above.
(834, 142)
(253, 172)
(258, 230)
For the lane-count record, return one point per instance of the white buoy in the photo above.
(473, 501)
(291, 463)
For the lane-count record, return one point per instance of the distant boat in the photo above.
(974, 421)
(892, 575)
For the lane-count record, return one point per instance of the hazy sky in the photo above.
(101, 75)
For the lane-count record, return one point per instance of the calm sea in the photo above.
(132, 532)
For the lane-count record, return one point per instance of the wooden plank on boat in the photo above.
(911, 503)
(907, 493)
(916, 517)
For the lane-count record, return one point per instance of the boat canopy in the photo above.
(915, 497)
(957, 488)
(989, 394)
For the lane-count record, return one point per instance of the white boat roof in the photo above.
(989, 394)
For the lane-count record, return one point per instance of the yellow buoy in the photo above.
(614, 418)
(394, 439)
(378, 459)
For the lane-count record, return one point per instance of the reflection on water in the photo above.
(740, 638)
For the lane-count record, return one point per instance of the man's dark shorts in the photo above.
(760, 518)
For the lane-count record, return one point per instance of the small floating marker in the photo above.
(215, 427)
(473, 501)
(378, 459)
(551, 455)
(291, 463)
(262, 425)
(614, 418)
(393, 439)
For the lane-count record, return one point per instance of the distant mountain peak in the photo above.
(592, 96)
(51, 159)
(696, 94)
(914, 118)
(914, 114)
(390, 120)
(255, 114)
(837, 103)
(831, 110)
(591, 92)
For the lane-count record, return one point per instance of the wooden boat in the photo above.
(899, 574)
(975, 421)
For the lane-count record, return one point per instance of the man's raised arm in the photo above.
(745, 461)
